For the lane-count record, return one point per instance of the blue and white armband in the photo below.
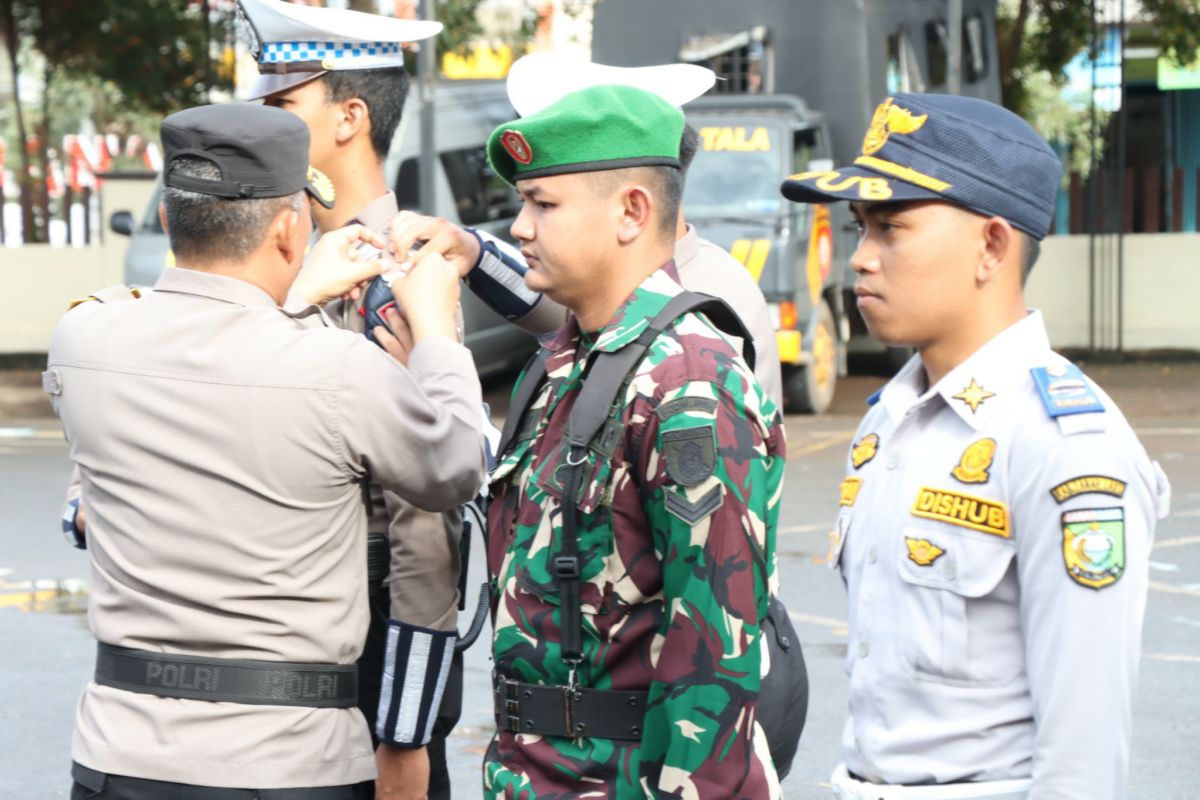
(74, 537)
(499, 278)
(416, 666)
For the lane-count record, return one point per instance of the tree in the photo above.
(151, 56)
(1044, 35)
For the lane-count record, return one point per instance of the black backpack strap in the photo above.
(592, 409)
(532, 376)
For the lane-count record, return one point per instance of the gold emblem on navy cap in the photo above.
(320, 182)
(890, 118)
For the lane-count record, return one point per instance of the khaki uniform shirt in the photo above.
(704, 267)
(996, 559)
(423, 576)
(222, 443)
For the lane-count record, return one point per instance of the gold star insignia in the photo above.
(974, 395)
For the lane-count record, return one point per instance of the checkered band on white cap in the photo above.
(289, 52)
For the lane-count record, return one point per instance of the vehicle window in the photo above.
(151, 223)
(903, 69)
(479, 193)
(974, 48)
(809, 145)
(936, 51)
(742, 61)
(736, 172)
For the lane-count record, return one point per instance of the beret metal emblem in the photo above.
(516, 146)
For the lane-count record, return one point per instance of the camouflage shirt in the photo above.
(677, 544)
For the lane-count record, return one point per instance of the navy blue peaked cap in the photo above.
(960, 150)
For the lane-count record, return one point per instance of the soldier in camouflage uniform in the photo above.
(677, 512)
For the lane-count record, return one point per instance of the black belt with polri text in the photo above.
(229, 680)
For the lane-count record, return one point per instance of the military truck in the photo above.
(798, 83)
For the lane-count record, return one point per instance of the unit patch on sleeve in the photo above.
(690, 454)
(976, 513)
(864, 450)
(973, 466)
(849, 491)
(922, 552)
(1094, 545)
(1087, 484)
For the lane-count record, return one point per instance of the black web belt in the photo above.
(563, 711)
(271, 683)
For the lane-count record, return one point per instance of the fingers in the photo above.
(390, 344)
(409, 228)
(352, 234)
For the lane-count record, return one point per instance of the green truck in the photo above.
(798, 81)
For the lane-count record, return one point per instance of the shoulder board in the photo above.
(1065, 391)
(113, 294)
(874, 398)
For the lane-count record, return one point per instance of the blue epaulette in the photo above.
(1065, 391)
(874, 398)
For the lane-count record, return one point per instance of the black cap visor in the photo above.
(857, 184)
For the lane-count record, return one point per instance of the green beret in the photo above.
(599, 128)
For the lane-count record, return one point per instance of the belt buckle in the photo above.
(508, 705)
(571, 696)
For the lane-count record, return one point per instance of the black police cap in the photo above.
(261, 151)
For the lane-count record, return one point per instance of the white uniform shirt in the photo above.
(974, 654)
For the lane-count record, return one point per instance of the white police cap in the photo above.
(539, 80)
(294, 44)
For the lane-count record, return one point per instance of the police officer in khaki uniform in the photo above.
(494, 271)
(351, 94)
(997, 513)
(222, 443)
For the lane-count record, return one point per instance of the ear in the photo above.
(353, 117)
(162, 218)
(1000, 249)
(282, 236)
(637, 208)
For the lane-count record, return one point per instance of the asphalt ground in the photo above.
(47, 652)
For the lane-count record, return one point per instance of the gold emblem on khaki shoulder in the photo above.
(890, 118)
(864, 450)
(973, 466)
(922, 552)
(321, 183)
(848, 492)
(974, 395)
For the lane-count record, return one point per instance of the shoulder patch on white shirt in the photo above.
(1064, 391)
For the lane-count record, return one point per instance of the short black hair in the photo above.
(665, 184)
(203, 227)
(689, 144)
(1031, 249)
(383, 90)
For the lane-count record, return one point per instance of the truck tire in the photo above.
(809, 389)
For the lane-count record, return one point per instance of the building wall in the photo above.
(1158, 291)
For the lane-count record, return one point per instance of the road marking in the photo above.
(836, 626)
(30, 594)
(16, 433)
(819, 527)
(1163, 566)
(832, 440)
(1172, 657)
(1179, 541)
(1168, 431)
(1189, 591)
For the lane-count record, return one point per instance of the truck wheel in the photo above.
(809, 389)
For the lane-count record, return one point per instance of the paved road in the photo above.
(47, 652)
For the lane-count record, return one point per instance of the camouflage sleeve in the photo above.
(712, 483)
